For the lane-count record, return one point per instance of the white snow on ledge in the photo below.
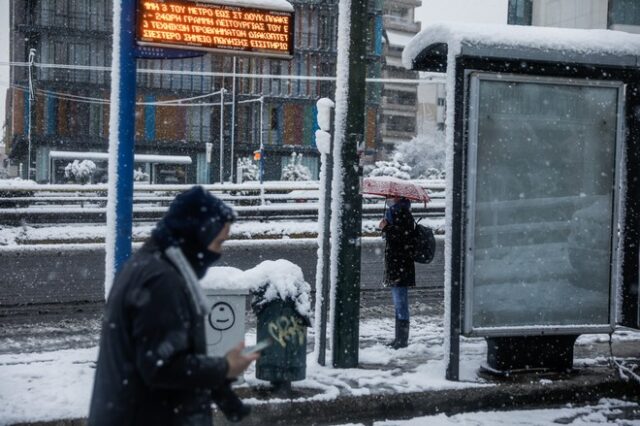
(455, 35)
(280, 5)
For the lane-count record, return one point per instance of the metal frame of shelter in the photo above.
(518, 62)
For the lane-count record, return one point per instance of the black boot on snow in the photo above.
(402, 334)
(394, 342)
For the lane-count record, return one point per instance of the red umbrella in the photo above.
(392, 187)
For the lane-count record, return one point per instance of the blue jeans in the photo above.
(401, 302)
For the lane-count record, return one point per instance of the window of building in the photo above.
(96, 119)
(397, 97)
(624, 12)
(520, 12)
(401, 123)
(397, 11)
(198, 124)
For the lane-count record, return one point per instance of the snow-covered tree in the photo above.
(295, 170)
(80, 171)
(425, 154)
(393, 168)
(248, 169)
(140, 176)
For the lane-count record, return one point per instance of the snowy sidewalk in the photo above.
(56, 384)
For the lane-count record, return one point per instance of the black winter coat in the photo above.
(399, 267)
(152, 368)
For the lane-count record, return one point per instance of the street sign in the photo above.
(190, 25)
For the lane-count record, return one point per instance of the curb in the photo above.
(581, 389)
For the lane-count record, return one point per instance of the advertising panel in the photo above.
(542, 173)
(191, 25)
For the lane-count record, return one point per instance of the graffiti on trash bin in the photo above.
(286, 329)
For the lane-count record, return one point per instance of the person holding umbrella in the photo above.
(399, 269)
(397, 228)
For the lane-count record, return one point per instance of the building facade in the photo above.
(399, 110)
(620, 15)
(55, 109)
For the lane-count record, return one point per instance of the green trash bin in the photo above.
(285, 360)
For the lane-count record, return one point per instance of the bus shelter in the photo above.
(543, 187)
(157, 169)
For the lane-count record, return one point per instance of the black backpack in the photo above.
(424, 244)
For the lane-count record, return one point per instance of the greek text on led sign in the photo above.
(207, 26)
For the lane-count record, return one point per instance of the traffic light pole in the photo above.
(346, 312)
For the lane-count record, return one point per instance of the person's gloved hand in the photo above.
(237, 362)
(231, 406)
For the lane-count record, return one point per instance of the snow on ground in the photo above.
(57, 384)
(606, 412)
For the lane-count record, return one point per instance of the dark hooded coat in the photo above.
(152, 368)
(399, 267)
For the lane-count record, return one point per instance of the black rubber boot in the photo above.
(402, 334)
(394, 342)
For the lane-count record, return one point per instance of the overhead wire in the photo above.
(428, 77)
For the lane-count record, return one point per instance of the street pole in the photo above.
(32, 113)
(346, 193)
(121, 140)
(233, 118)
(323, 269)
(261, 152)
(222, 130)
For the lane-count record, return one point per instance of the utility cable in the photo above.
(622, 369)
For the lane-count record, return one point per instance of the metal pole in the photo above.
(121, 140)
(326, 261)
(233, 118)
(261, 152)
(222, 130)
(346, 310)
(30, 118)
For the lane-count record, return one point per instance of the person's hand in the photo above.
(383, 223)
(237, 362)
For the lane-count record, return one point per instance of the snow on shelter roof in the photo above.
(279, 5)
(427, 51)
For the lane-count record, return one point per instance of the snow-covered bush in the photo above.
(425, 155)
(248, 169)
(393, 168)
(80, 171)
(294, 170)
(140, 176)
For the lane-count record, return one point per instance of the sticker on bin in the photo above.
(221, 316)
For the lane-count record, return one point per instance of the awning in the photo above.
(399, 38)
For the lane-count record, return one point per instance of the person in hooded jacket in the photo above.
(399, 269)
(152, 365)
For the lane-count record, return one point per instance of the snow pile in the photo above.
(295, 170)
(566, 40)
(323, 142)
(19, 182)
(394, 168)
(607, 412)
(281, 5)
(270, 280)
(325, 105)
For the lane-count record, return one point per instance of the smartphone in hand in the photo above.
(261, 345)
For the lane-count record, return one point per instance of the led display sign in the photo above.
(215, 27)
